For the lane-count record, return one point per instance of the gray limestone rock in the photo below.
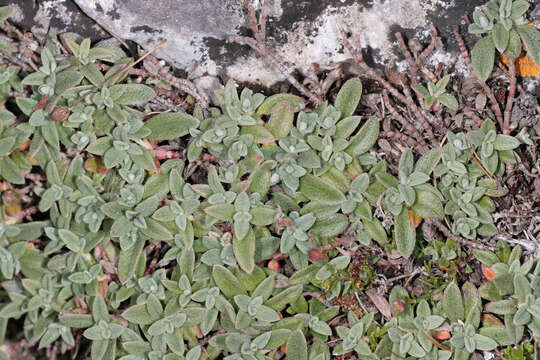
(301, 32)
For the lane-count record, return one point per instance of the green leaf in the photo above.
(483, 57)
(281, 119)
(519, 8)
(453, 303)
(261, 135)
(421, 89)
(194, 353)
(404, 234)
(33, 79)
(6, 144)
(262, 215)
(244, 251)
(278, 337)
(156, 231)
(484, 343)
(260, 180)
(348, 97)
(49, 130)
(500, 37)
(486, 257)
(170, 126)
(522, 287)
(99, 349)
(72, 241)
(376, 230)
(264, 288)
(330, 227)
(502, 307)
(127, 263)
(76, 320)
(229, 284)
(365, 138)
(315, 188)
(220, 211)
(99, 309)
(427, 163)
(531, 38)
(100, 146)
(449, 101)
(497, 333)
(513, 50)
(346, 127)
(26, 105)
(67, 80)
(285, 297)
(428, 205)
(132, 94)
(505, 142)
(93, 74)
(10, 171)
(304, 276)
(505, 283)
(297, 346)
(269, 103)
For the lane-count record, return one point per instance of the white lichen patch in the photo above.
(18, 14)
(320, 42)
(46, 11)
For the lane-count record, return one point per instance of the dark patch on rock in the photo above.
(57, 15)
(146, 29)
(445, 19)
(99, 8)
(225, 52)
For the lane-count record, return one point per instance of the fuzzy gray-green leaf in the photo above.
(404, 234)
(348, 97)
(170, 126)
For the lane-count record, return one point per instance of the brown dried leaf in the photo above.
(381, 303)
(480, 101)
(316, 255)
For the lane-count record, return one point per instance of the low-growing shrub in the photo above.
(163, 236)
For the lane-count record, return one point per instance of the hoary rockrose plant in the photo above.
(142, 257)
(503, 27)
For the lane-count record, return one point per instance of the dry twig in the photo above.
(259, 45)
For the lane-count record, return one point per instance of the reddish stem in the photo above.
(510, 100)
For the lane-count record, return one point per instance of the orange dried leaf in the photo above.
(491, 320)
(197, 331)
(103, 287)
(95, 165)
(273, 265)
(488, 273)
(24, 146)
(414, 218)
(441, 335)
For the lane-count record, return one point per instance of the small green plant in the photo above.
(505, 27)
(235, 231)
(435, 94)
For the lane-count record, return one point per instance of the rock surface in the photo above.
(301, 32)
(53, 15)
